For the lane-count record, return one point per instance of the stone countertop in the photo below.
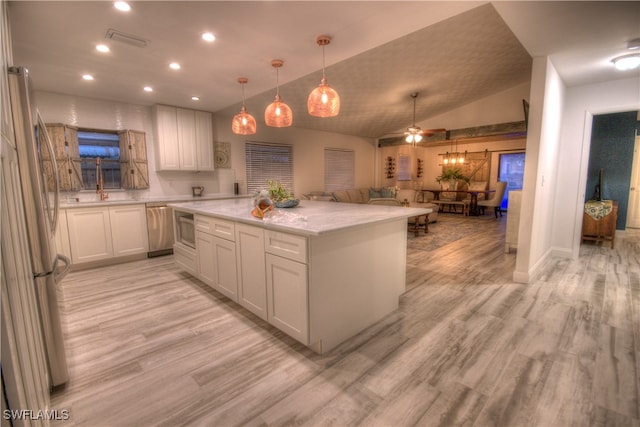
(140, 201)
(310, 218)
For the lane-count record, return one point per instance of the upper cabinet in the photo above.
(184, 139)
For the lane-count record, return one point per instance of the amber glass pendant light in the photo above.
(278, 114)
(323, 101)
(243, 123)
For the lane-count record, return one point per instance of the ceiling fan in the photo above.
(414, 134)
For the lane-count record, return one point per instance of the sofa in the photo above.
(363, 195)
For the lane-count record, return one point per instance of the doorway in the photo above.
(511, 170)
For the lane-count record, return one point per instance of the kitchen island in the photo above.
(321, 272)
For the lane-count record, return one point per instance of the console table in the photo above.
(603, 229)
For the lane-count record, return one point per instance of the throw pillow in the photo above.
(375, 193)
(388, 192)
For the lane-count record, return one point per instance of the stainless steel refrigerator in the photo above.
(41, 215)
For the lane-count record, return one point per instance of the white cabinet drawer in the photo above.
(185, 258)
(286, 245)
(215, 226)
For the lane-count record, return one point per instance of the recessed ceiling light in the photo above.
(208, 37)
(102, 48)
(122, 6)
(174, 66)
(87, 77)
(148, 89)
(195, 98)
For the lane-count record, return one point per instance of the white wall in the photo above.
(308, 152)
(582, 103)
(502, 107)
(108, 115)
(540, 181)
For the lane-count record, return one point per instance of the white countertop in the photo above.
(311, 218)
(156, 199)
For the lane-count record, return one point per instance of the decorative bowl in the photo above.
(289, 203)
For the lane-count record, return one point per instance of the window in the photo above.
(106, 146)
(268, 161)
(339, 166)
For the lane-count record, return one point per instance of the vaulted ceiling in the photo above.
(452, 53)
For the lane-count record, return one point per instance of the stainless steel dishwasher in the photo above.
(159, 229)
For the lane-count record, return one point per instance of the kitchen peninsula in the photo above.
(320, 272)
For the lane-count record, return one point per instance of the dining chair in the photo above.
(494, 201)
(479, 186)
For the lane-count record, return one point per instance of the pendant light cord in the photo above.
(243, 95)
(323, 78)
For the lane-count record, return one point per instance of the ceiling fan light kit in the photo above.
(323, 101)
(278, 114)
(413, 133)
(627, 62)
(630, 61)
(243, 123)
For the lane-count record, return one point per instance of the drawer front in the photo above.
(286, 245)
(215, 226)
(185, 258)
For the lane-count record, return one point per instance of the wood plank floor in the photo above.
(151, 346)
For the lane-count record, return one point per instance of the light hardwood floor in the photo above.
(150, 345)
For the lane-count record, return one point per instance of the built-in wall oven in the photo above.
(185, 229)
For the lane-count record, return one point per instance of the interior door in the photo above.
(633, 212)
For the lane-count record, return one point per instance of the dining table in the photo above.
(473, 202)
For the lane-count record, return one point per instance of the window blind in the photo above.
(339, 169)
(267, 161)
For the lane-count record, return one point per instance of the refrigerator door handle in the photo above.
(56, 178)
(59, 275)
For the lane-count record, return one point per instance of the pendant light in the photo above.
(278, 114)
(243, 123)
(413, 133)
(323, 101)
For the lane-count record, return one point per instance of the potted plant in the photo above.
(281, 197)
(452, 175)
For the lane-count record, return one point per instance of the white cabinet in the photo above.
(224, 260)
(128, 229)
(204, 141)
(89, 234)
(216, 254)
(184, 139)
(216, 260)
(166, 138)
(287, 296)
(106, 232)
(252, 286)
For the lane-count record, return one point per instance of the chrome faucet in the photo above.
(100, 180)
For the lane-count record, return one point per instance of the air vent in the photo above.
(131, 39)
